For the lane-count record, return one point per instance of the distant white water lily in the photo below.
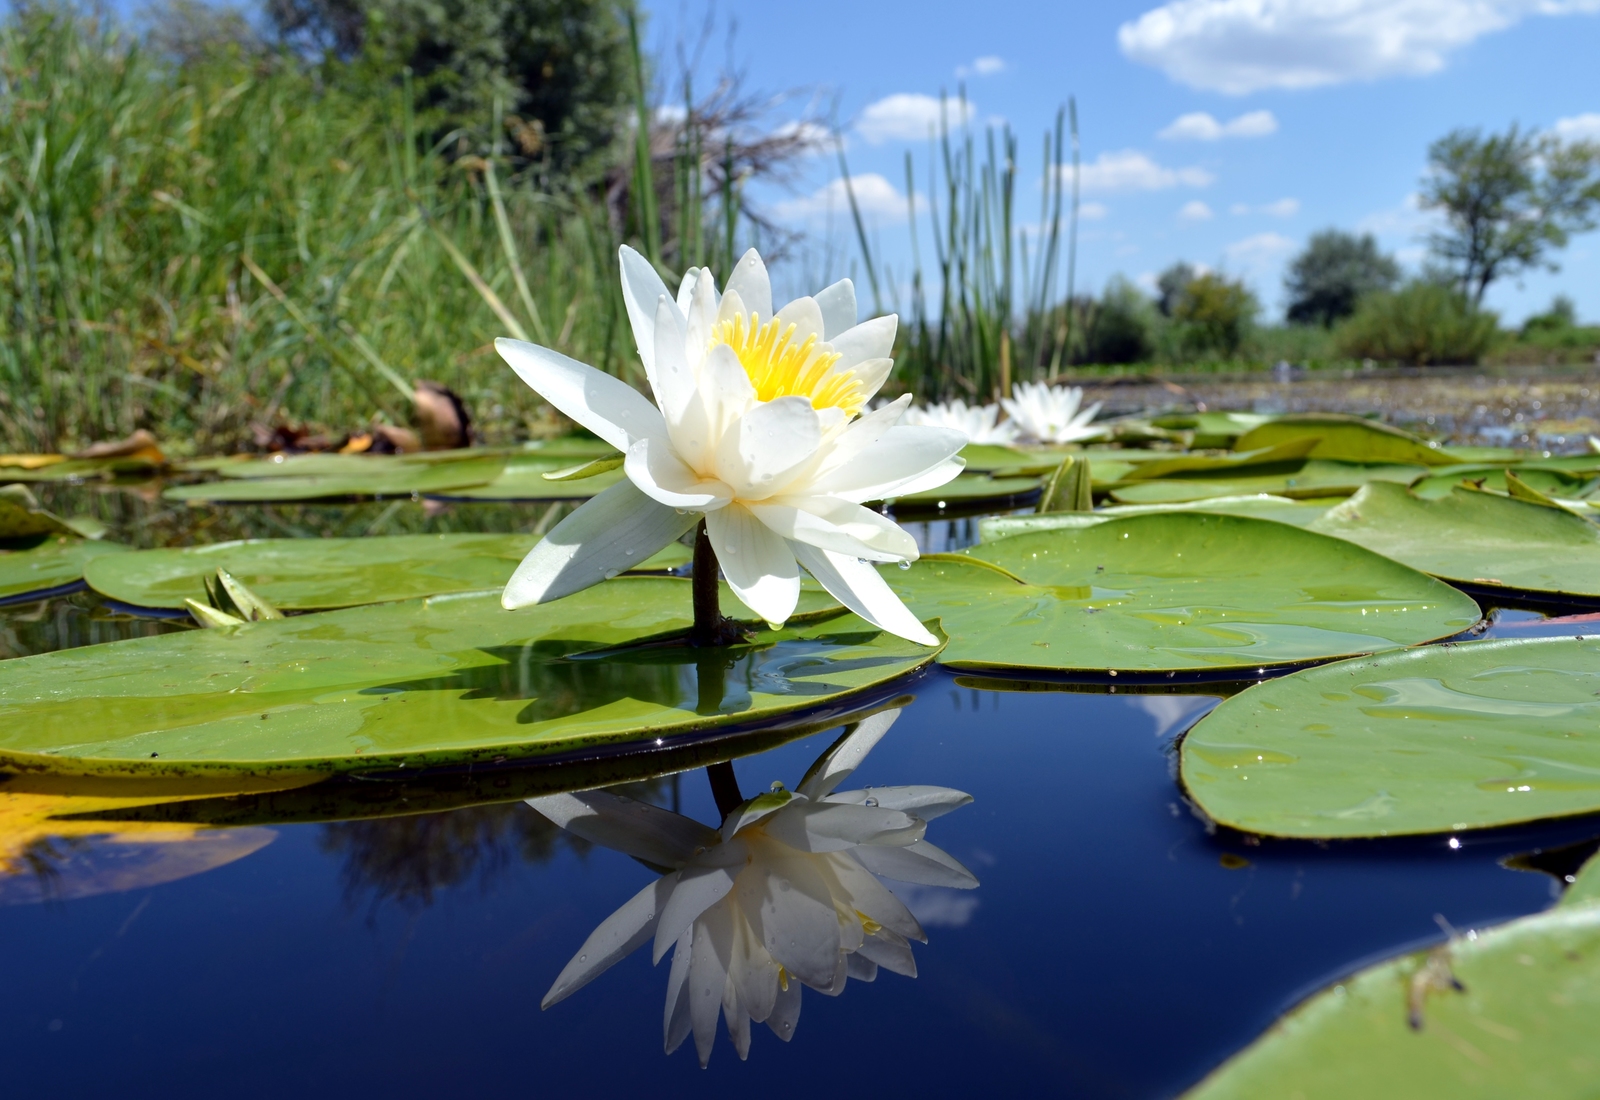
(784, 895)
(1050, 414)
(976, 422)
(757, 428)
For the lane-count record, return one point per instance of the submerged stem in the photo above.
(724, 787)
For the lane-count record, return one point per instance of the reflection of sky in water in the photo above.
(1111, 951)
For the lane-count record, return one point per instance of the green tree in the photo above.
(1170, 285)
(561, 67)
(1212, 315)
(1334, 271)
(1508, 201)
(1121, 326)
(1422, 323)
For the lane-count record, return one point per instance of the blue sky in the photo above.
(1222, 132)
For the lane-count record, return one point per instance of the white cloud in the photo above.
(1195, 211)
(988, 65)
(1131, 170)
(910, 116)
(1283, 208)
(814, 137)
(936, 906)
(1406, 220)
(1259, 251)
(1240, 46)
(876, 197)
(1578, 127)
(1169, 710)
(1199, 126)
(1092, 211)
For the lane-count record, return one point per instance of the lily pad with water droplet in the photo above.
(1464, 736)
(315, 574)
(1476, 538)
(444, 681)
(55, 563)
(969, 491)
(1182, 592)
(1506, 1012)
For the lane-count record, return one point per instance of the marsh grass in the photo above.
(242, 240)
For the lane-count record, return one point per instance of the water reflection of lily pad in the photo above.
(405, 685)
(1429, 740)
(1176, 592)
(54, 563)
(1506, 1012)
(385, 480)
(1475, 538)
(304, 574)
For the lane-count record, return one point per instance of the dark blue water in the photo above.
(1115, 947)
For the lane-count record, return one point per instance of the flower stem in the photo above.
(710, 627)
(724, 787)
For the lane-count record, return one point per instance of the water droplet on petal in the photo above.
(870, 802)
(610, 573)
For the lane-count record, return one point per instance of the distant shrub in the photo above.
(1122, 326)
(1422, 323)
(1211, 317)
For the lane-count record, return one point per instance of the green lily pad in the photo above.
(22, 518)
(314, 574)
(1508, 1012)
(388, 479)
(1316, 478)
(1474, 538)
(1485, 454)
(1174, 592)
(967, 490)
(444, 681)
(1284, 458)
(1213, 429)
(1585, 886)
(1552, 481)
(1350, 438)
(56, 562)
(1296, 513)
(81, 469)
(1464, 736)
(987, 457)
(522, 478)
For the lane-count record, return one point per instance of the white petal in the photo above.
(920, 862)
(618, 936)
(806, 317)
(861, 434)
(607, 406)
(871, 373)
(871, 897)
(638, 829)
(608, 535)
(791, 907)
(942, 474)
(891, 952)
(737, 1019)
(642, 288)
(701, 314)
(838, 305)
(861, 968)
(749, 280)
(674, 380)
(837, 525)
(872, 339)
(708, 974)
(858, 586)
(696, 890)
(834, 766)
(902, 456)
(785, 1016)
(758, 565)
(770, 443)
(835, 826)
(675, 1022)
(686, 287)
(726, 392)
(924, 802)
(661, 475)
(752, 971)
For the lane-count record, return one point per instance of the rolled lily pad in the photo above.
(55, 563)
(315, 574)
(1316, 478)
(1296, 513)
(1464, 736)
(1181, 592)
(388, 479)
(1507, 1012)
(1552, 481)
(1350, 438)
(443, 681)
(1474, 538)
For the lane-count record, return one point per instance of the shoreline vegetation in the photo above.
(215, 236)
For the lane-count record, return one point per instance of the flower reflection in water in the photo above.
(785, 894)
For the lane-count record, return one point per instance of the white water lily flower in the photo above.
(785, 894)
(758, 427)
(976, 422)
(1049, 414)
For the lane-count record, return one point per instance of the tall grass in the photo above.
(245, 240)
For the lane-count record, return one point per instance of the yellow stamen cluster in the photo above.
(779, 367)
